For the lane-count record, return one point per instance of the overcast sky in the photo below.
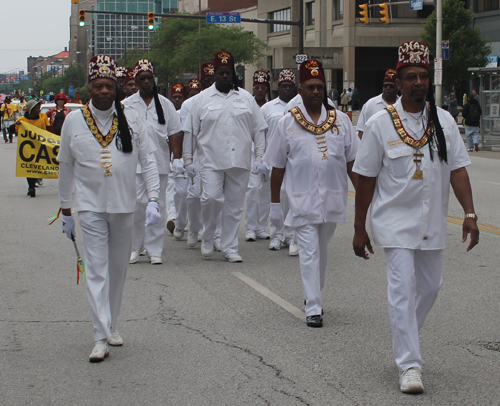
(32, 28)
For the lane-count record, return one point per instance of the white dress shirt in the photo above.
(372, 106)
(316, 188)
(273, 111)
(297, 101)
(159, 133)
(80, 163)
(406, 212)
(225, 125)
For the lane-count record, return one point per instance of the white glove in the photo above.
(178, 167)
(266, 174)
(68, 226)
(152, 214)
(276, 216)
(259, 168)
(191, 170)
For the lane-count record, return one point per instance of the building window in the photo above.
(488, 5)
(283, 15)
(338, 10)
(310, 13)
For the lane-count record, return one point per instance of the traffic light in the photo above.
(81, 18)
(385, 12)
(364, 13)
(151, 21)
(75, 1)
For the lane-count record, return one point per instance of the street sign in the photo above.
(438, 63)
(446, 50)
(438, 77)
(71, 91)
(221, 18)
(299, 58)
(416, 5)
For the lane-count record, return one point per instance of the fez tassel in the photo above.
(80, 266)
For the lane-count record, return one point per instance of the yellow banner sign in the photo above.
(37, 150)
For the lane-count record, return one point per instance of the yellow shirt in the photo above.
(10, 110)
(41, 122)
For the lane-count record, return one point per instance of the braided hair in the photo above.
(159, 108)
(123, 136)
(438, 134)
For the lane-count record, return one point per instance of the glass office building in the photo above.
(114, 34)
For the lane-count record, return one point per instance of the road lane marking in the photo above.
(489, 229)
(271, 296)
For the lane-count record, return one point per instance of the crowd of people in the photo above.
(141, 163)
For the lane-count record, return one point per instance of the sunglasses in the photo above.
(412, 77)
(319, 88)
(144, 78)
(388, 86)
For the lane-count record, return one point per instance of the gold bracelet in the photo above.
(154, 199)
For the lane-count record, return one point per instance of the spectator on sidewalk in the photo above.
(356, 97)
(472, 115)
(453, 106)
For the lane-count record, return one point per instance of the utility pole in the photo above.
(439, 46)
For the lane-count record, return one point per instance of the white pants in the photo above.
(414, 278)
(223, 193)
(180, 196)
(170, 198)
(258, 198)
(108, 241)
(193, 204)
(313, 240)
(285, 233)
(150, 237)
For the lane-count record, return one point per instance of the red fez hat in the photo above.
(390, 76)
(413, 53)
(143, 65)
(261, 77)
(207, 70)
(61, 96)
(102, 66)
(178, 88)
(311, 69)
(129, 75)
(223, 58)
(286, 75)
(193, 84)
(120, 72)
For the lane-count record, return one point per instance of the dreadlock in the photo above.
(123, 136)
(159, 108)
(439, 134)
(235, 78)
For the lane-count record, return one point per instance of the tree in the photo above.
(467, 48)
(133, 55)
(180, 48)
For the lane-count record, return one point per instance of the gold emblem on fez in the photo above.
(224, 57)
(313, 67)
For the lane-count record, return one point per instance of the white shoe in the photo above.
(250, 236)
(286, 243)
(134, 257)
(232, 258)
(275, 244)
(144, 252)
(199, 237)
(99, 352)
(217, 245)
(411, 381)
(293, 249)
(178, 234)
(115, 340)
(262, 235)
(207, 248)
(192, 239)
(155, 260)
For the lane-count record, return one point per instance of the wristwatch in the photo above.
(472, 216)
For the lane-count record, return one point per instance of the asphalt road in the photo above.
(206, 332)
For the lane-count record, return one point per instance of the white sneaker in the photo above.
(207, 248)
(192, 239)
(134, 257)
(144, 252)
(293, 249)
(155, 260)
(178, 234)
(99, 352)
(250, 236)
(232, 258)
(217, 245)
(286, 242)
(262, 235)
(411, 381)
(275, 244)
(115, 340)
(199, 237)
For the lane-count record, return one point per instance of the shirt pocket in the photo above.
(335, 144)
(401, 161)
(212, 113)
(299, 149)
(85, 148)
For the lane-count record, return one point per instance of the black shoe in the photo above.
(314, 321)
(31, 192)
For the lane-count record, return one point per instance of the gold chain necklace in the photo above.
(318, 130)
(104, 140)
(409, 140)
